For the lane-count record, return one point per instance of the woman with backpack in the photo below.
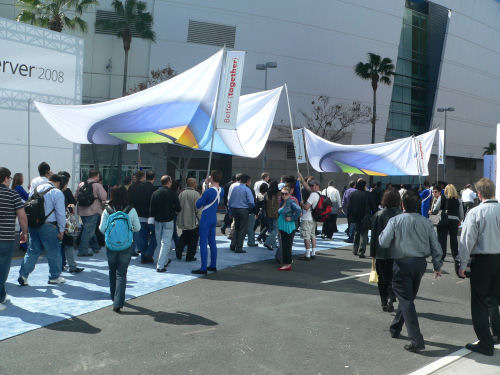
(118, 221)
(272, 205)
(288, 214)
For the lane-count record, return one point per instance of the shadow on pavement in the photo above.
(178, 318)
(74, 324)
(446, 318)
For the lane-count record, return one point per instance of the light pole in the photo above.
(265, 67)
(445, 110)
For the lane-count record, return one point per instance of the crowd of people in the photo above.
(407, 225)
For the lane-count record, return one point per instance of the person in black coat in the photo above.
(359, 211)
(391, 201)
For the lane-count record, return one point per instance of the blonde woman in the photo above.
(451, 206)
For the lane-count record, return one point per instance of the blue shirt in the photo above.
(206, 199)
(22, 193)
(53, 200)
(241, 197)
(425, 196)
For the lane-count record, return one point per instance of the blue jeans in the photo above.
(88, 235)
(118, 262)
(6, 250)
(272, 229)
(44, 237)
(164, 231)
(251, 230)
(146, 240)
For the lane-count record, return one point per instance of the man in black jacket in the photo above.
(139, 194)
(359, 211)
(164, 207)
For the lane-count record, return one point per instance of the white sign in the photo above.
(229, 92)
(298, 144)
(441, 147)
(132, 146)
(25, 67)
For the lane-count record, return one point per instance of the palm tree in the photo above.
(490, 149)
(131, 17)
(53, 14)
(376, 70)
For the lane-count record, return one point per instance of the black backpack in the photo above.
(35, 208)
(86, 194)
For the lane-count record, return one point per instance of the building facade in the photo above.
(446, 53)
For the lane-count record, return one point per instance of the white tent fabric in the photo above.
(402, 157)
(180, 110)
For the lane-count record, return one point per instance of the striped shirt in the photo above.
(9, 203)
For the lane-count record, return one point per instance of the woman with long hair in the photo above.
(271, 199)
(453, 211)
(118, 261)
(391, 202)
(17, 185)
(288, 214)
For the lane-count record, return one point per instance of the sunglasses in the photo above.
(283, 193)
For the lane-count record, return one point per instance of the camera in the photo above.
(458, 263)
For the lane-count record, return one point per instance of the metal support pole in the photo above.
(291, 125)
(444, 147)
(29, 140)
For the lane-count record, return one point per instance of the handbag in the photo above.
(435, 219)
(373, 273)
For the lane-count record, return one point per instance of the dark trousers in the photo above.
(240, 216)
(360, 239)
(484, 284)
(286, 246)
(407, 274)
(467, 207)
(384, 271)
(330, 226)
(188, 237)
(442, 232)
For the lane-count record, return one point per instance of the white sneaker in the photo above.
(59, 280)
(2, 307)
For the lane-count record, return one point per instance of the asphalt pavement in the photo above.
(253, 319)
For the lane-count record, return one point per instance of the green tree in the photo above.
(376, 70)
(54, 15)
(490, 149)
(132, 16)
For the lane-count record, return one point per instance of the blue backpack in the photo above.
(118, 234)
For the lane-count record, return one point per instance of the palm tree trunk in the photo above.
(125, 68)
(374, 120)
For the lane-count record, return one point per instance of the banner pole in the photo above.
(29, 141)
(291, 127)
(216, 110)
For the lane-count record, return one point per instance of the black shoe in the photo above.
(223, 230)
(268, 247)
(253, 245)
(23, 281)
(191, 259)
(145, 260)
(86, 255)
(213, 269)
(362, 256)
(384, 307)
(199, 272)
(390, 306)
(349, 241)
(135, 254)
(76, 270)
(395, 335)
(496, 340)
(161, 269)
(117, 309)
(240, 251)
(415, 348)
(232, 248)
(479, 349)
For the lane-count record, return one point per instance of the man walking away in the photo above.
(44, 172)
(307, 223)
(90, 196)
(330, 226)
(345, 206)
(240, 203)
(10, 207)
(164, 206)
(47, 235)
(480, 242)
(411, 238)
(188, 221)
(468, 197)
(359, 211)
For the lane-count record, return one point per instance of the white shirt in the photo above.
(256, 186)
(468, 196)
(233, 185)
(37, 181)
(313, 201)
(333, 194)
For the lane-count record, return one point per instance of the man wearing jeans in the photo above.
(240, 204)
(90, 215)
(11, 206)
(47, 236)
(164, 207)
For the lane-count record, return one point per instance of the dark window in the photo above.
(213, 34)
(465, 164)
(290, 151)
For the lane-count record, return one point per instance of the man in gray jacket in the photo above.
(411, 238)
(188, 221)
(480, 241)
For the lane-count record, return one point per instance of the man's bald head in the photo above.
(191, 182)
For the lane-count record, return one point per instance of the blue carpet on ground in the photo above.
(40, 304)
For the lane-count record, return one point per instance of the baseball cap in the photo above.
(313, 182)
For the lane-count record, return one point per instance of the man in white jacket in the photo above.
(330, 226)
